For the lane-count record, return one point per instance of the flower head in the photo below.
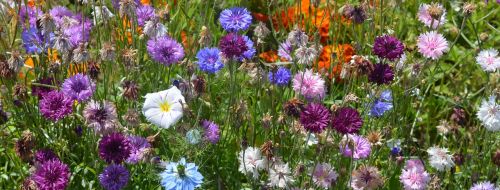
(432, 45)
(114, 177)
(489, 114)
(44, 155)
(360, 145)
(488, 60)
(144, 13)
(165, 50)
(414, 176)
(425, 17)
(78, 87)
(366, 177)
(439, 158)
(52, 174)
(139, 148)
(212, 132)
(281, 77)
(209, 60)
(114, 148)
(381, 74)
(280, 176)
(285, 50)
(164, 108)
(315, 117)
(250, 52)
(347, 120)
(324, 175)
(382, 104)
(55, 105)
(235, 19)
(181, 175)
(233, 45)
(388, 47)
(251, 161)
(484, 185)
(306, 55)
(101, 117)
(309, 84)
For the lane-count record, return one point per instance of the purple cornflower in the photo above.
(281, 77)
(233, 45)
(144, 13)
(114, 148)
(78, 33)
(324, 175)
(360, 145)
(114, 177)
(209, 60)
(101, 117)
(285, 50)
(55, 105)
(382, 104)
(388, 47)
(315, 117)
(165, 50)
(58, 13)
(484, 185)
(29, 14)
(347, 120)
(212, 132)
(44, 155)
(78, 87)
(250, 52)
(235, 19)
(381, 74)
(138, 148)
(51, 175)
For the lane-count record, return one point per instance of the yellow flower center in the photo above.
(165, 107)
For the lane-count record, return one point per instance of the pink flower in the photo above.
(432, 45)
(426, 18)
(309, 84)
(414, 176)
(324, 175)
(489, 60)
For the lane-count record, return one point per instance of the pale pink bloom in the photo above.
(489, 60)
(440, 159)
(309, 84)
(432, 45)
(426, 18)
(414, 176)
(324, 175)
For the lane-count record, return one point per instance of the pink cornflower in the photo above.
(309, 84)
(489, 60)
(414, 176)
(432, 45)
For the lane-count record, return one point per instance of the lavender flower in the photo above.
(114, 177)
(250, 52)
(235, 19)
(355, 146)
(55, 105)
(144, 13)
(165, 50)
(285, 50)
(280, 77)
(139, 148)
(324, 175)
(78, 87)
(382, 104)
(101, 117)
(212, 132)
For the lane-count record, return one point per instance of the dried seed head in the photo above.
(107, 52)
(5, 71)
(130, 90)
(293, 107)
(24, 146)
(132, 118)
(375, 138)
(458, 159)
(495, 158)
(129, 57)
(261, 31)
(458, 116)
(350, 98)
(469, 8)
(199, 84)
(93, 70)
(20, 92)
(127, 8)
(29, 184)
(47, 23)
(205, 37)
(484, 36)
(15, 61)
(80, 53)
(267, 149)
(435, 10)
(266, 120)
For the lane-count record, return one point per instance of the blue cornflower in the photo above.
(250, 52)
(281, 77)
(382, 104)
(181, 176)
(395, 146)
(33, 41)
(235, 19)
(209, 60)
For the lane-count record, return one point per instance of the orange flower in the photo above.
(343, 54)
(269, 56)
(145, 2)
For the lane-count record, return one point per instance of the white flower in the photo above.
(154, 28)
(489, 60)
(164, 108)
(306, 55)
(489, 114)
(280, 176)
(439, 158)
(251, 161)
(101, 13)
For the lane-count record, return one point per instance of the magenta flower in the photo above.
(315, 117)
(114, 148)
(78, 87)
(51, 175)
(388, 47)
(347, 120)
(233, 45)
(55, 105)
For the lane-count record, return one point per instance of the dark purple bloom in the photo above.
(209, 60)
(233, 45)
(78, 87)
(55, 105)
(212, 132)
(44, 155)
(347, 120)
(381, 74)
(114, 148)
(144, 13)
(51, 175)
(388, 47)
(40, 91)
(315, 117)
(138, 148)
(281, 77)
(79, 130)
(235, 19)
(165, 50)
(114, 177)
(250, 52)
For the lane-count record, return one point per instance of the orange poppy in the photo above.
(269, 56)
(343, 54)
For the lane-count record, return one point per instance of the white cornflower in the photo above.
(306, 55)
(164, 108)
(489, 114)
(297, 37)
(280, 176)
(251, 161)
(154, 28)
(489, 60)
(439, 158)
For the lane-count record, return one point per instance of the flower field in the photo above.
(259, 94)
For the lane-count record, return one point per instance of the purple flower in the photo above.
(347, 120)
(30, 15)
(32, 40)
(114, 177)
(58, 13)
(209, 60)
(388, 47)
(484, 185)
(281, 77)
(44, 155)
(165, 50)
(212, 132)
(360, 145)
(51, 175)
(114, 148)
(382, 104)
(381, 74)
(40, 91)
(250, 52)
(233, 45)
(235, 19)
(315, 117)
(138, 148)
(78, 33)
(144, 13)
(285, 50)
(101, 117)
(324, 175)
(55, 105)
(78, 87)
